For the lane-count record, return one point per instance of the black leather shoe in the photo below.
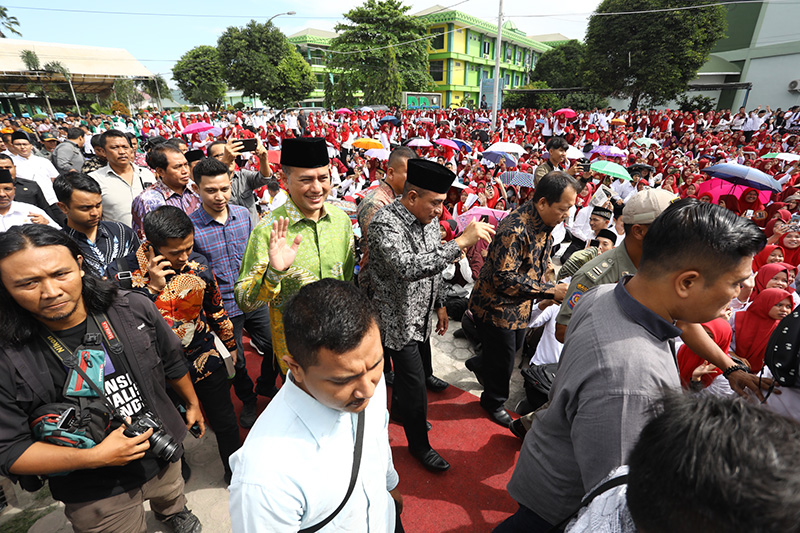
(459, 334)
(472, 366)
(517, 428)
(432, 460)
(500, 416)
(389, 377)
(435, 384)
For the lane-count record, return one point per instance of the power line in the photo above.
(663, 10)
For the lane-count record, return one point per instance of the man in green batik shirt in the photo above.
(298, 243)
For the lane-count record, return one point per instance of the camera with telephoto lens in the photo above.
(161, 443)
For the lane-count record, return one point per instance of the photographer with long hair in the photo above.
(77, 357)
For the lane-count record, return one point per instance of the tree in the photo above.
(365, 54)
(531, 100)
(155, 86)
(32, 63)
(561, 67)
(199, 75)
(125, 90)
(9, 23)
(259, 60)
(649, 56)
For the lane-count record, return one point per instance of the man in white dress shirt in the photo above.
(294, 469)
(31, 167)
(17, 213)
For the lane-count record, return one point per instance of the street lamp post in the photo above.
(281, 14)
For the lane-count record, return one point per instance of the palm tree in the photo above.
(33, 64)
(9, 23)
(56, 67)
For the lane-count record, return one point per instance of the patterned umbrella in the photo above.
(521, 179)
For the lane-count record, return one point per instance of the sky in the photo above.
(158, 40)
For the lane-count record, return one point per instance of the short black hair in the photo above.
(111, 134)
(401, 153)
(176, 142)
(273, 185)
(330, 314)
(157, 155)
(166, 222)
(712, 464)
(215, 143)
(19, 325)
(6, 156)
(552, 186)
(554, 143)
(208, 166)
(691, 234)
(65, 184)
(74, 133)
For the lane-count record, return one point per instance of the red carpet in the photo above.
(471, 496)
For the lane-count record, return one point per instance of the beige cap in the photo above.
(646, 205)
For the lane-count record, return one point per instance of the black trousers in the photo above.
(258, 327)
(496, 363)
(214, 393)
(409, 395)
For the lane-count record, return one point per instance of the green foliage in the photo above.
(703, 103)
(259, 60)
(531, 100)
(116, 105)
(124, 90)
(583, 101)
(9, 23)
(562, 67)
(385, 72)
(96, 109)
(238, 106)
(30, 59)
(199, 75)
(650, 56)
(341, 93)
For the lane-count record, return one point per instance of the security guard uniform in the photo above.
(608, 267)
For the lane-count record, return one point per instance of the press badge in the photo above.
(92, 361)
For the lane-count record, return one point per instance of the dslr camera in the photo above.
(161, 443)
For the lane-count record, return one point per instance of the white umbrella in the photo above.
(574, 153)
(512, 148)
(379, 153)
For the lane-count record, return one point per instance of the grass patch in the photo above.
(24, 520)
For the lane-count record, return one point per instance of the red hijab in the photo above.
(761, 257)
(790, 255)
(755, 206)
(765, 275)
(731, 202)
(688, 360)
(754, 327)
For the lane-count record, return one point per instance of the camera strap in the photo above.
(78, 359)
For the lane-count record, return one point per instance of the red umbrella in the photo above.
(567, 112)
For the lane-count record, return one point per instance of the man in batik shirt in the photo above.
(302, 241)
(407, 260)
(183, 287)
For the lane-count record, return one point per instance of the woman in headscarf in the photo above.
(790, 242)
(771, 276)
(753, 326)
(749, 201)
(729, 201)
(771, 253)
(688, 362)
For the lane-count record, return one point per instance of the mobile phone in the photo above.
(195, 430)
(748, 213)
(66, 419)
(249, 145)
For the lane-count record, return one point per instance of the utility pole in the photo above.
(498, 45)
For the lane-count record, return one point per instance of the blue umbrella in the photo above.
(743, 175)
(496, 157)
(521, 179)
(60, 115)
(462, 144)
(389, 118)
